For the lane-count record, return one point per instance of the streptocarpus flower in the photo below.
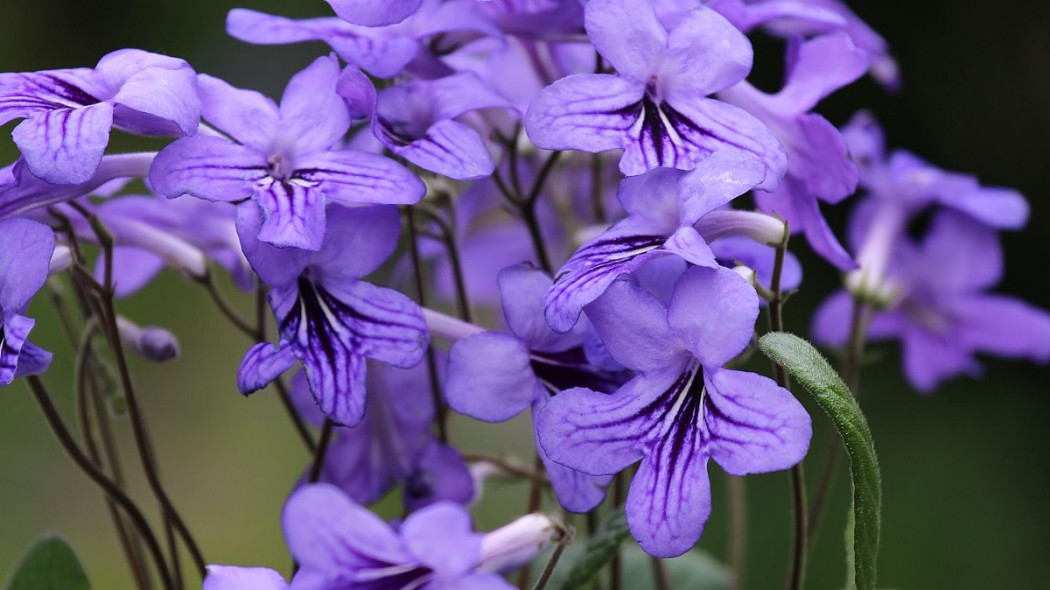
(374, 13)
(657, 108)
(663, 206)
(494, 376)
(941, 311)
(328, 317)
(819, 166)
(418, 120)
(392, 445)
(902, 186)
(25, 260)
(682, 409)
(381, 51)
(282, 159)
(69, 113)
(341, 545)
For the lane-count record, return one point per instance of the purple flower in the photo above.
(941, 310)
(819, 166)
(902, 186)
(25, 260)
(340, 545)
(682, 409)
(392, 445)
(419, 120)
(374, 13)
(153, 232)
(69, 113)
(381, 51)
(656, 108)
(21, 192)
(282, 159)
(494, 376)
(328, 318)
(663, 206)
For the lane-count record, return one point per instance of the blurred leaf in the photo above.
(50, 564)
(693, 571)
(811, 370)
(599, 550)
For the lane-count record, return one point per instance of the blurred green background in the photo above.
(966, 469)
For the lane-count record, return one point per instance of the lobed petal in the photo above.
(713, 311)
(65, 145)
(352, 177)
(293, 215)
(245, 115)
(490, 377)
(209, 168)
(586, 112)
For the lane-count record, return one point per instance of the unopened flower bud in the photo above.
(516, 544)
(150, 342)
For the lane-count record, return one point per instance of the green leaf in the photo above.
(600, 549)
(693, 571)
(50, 564)
(811, 370)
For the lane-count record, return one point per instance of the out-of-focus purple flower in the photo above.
(494, 376)
(900, 187)
(819, 166)
(790, 18)
(663, 206)
(419, 120)
(682, 409)
(941, 310)
(25, 260)
(21, 192)
(393, 444)
(328, 318)
(227, 577)
(381, 51)
(175, 225)
(282, 159)
(342, 545)
(549, 20)
(374, 13)
(69, 113)
(657, 108)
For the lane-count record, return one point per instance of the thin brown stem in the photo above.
(564, 541)
(661, 580)
(535, 498)
(293, 415)
(322, 451)
(54, 419)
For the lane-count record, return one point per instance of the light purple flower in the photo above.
(663, 206)
(374, 13)
(420, 120)
(283, 158)
(69, 113)
(25, 260)
(494, 376)
(657, 108)
(381, 51)
(819, 166)
(941, 310)
(392, 445)
(342, 545)
(328, 318)
(682, 409)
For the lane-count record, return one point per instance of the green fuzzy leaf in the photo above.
(815, 374)
(599, 550)
(50, 564)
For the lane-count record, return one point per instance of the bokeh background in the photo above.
(966, 470)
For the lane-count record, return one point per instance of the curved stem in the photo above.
(85, 465)
(322, 451)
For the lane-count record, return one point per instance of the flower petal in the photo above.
(633, 325)
(522, 289)
(930, 358)
(157, 94)
(442, 538)
(714, 312)
(27, 93)
(13, 334)
(245, 115)
(352, 177)
(628, 34)
(370, 233)
(451, 149)
(24, 261)
(293, 215)
(313, 116)
(374, 14)
(65, 146)
(263, 363)
(490, 377)
(705, 54)
(575, 491)
(818, 67)
(669, 501)
(753, 425)
(586, 112)
(224, 577)
(207, 167)
(1004, 326)
(327, 532)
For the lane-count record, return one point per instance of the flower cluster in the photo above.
(577, 171)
